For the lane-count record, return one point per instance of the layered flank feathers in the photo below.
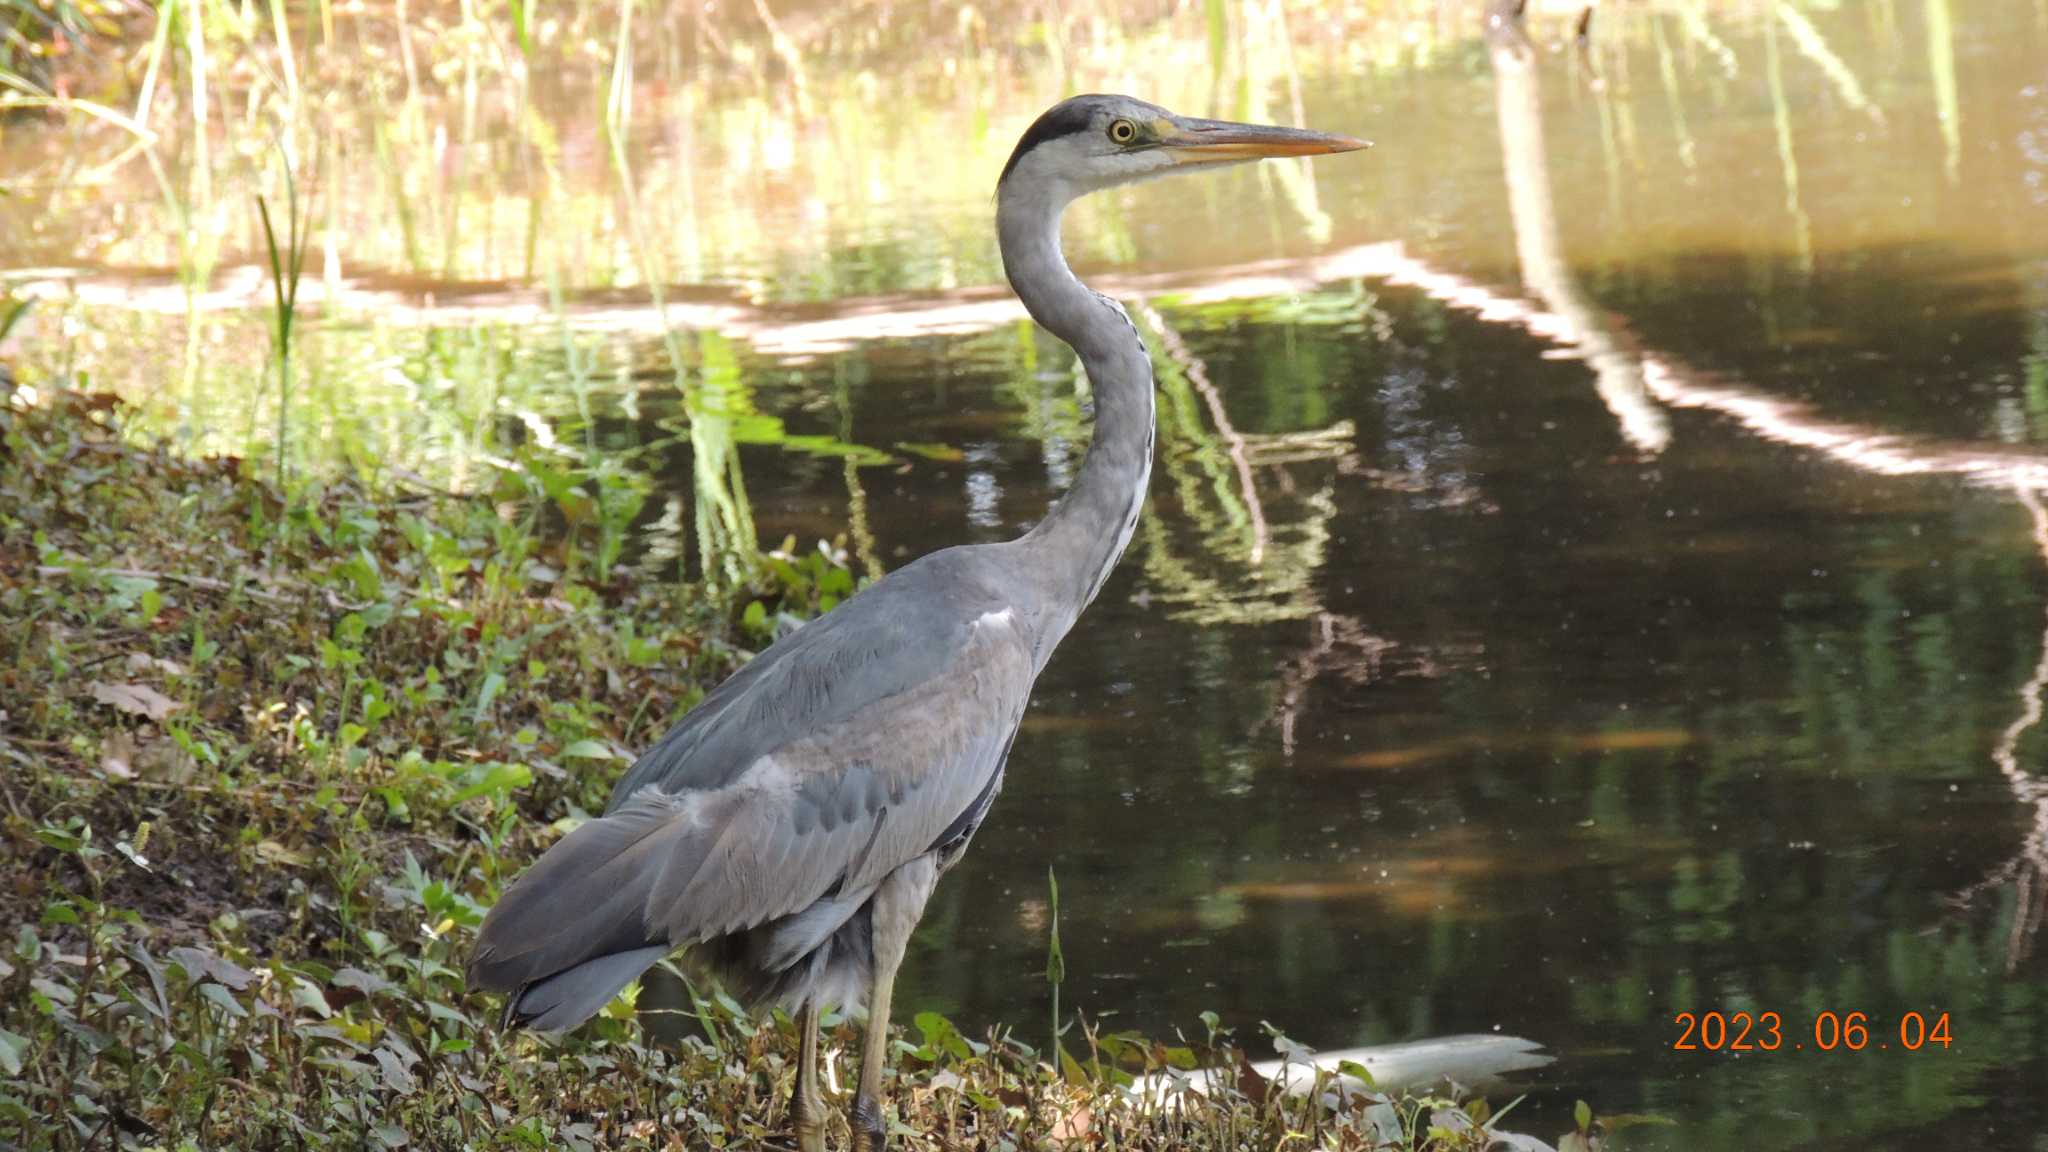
(622, 891)
(771, 858)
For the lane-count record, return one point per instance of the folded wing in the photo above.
(842, 782)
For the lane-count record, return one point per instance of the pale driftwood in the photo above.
(1471, 1060)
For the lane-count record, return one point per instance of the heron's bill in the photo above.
(1210, 141)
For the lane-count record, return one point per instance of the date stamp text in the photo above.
(1823, 1032)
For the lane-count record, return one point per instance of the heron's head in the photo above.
(1091, 142)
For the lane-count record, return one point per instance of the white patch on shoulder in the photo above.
(766, 774)
(682, 806)
(1000, 619)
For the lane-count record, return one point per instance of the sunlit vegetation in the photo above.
(36, 37)
(273, 750)
(502, 156)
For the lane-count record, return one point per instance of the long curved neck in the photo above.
(1070, 553)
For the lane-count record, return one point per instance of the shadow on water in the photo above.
(1595, 567)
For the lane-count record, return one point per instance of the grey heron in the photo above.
(793, 824)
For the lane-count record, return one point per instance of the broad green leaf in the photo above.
(12, 1048)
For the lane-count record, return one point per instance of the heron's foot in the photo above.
(810, 1127)
(870, 1131)
(808, 1112)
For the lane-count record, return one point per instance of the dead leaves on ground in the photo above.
(134, 699)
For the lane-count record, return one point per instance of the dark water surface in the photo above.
(1592, 574)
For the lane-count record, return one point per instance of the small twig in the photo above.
(206, 582)
(344, 791)
(341, 791)
(210, 584)
(13, 805)
(97, 661)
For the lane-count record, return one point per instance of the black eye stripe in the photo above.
(1063, 119)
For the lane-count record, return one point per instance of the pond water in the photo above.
(1595, 567)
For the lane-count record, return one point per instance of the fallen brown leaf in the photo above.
(1252, 1085)
(123, 757)
(117, 756)
(271, 852)
(134, 699)
(143, 662)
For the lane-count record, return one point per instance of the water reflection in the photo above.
(1519, 104)
(2026, 874)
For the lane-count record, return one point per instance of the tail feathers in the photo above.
(583, 905)
(784, 942)
(568, 998)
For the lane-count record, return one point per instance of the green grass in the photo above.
(285, 270)
(269, 754)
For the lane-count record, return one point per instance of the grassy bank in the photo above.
(267, 757)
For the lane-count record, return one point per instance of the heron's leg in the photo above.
(870, 1130)
(898, 904)
(809, 1107)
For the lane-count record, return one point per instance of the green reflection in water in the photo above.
(1788, 160)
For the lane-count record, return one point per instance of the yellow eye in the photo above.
(1123, 131)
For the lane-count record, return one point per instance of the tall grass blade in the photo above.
(1674, 99)
(285, 269)
(1809, 40)
(1055, 962)
(522, 26)
(1788, 159)
(28, 94)
(195, 51)
(281, 28)
(158, 41)
(1941, 66)
(11, 312)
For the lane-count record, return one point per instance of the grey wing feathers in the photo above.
(848, 804)
(839, 784)
(842, 807)
(897, 633)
